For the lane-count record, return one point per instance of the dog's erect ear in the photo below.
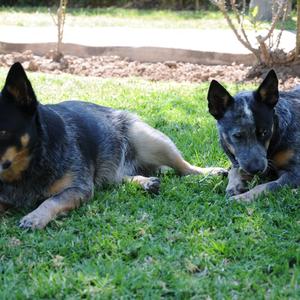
(17, 88)
(267, 92)
(218, 99)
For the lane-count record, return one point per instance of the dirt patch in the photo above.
(114, 66)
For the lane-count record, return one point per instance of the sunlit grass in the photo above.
(104, 17)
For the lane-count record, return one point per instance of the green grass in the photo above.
(187, 243)
(104, 17)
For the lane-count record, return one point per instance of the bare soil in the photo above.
(114, 66)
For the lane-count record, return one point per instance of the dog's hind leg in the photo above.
(149, 184)
(153, 148)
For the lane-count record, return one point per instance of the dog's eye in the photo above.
(4, 133)
(262, 132)
(237, 135)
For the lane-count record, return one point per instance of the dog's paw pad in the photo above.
(32, 221)
(152, 185)
(208, 171)
(243, 198)
(219, 171)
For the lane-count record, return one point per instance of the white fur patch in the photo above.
(247, 110)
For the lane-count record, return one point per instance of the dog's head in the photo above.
(245, 122)
(18, 126)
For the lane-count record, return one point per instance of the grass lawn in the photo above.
(187, 243)
(103, 17)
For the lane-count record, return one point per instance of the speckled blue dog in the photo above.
(260, 133)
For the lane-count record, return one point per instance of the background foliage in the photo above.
(169, 4)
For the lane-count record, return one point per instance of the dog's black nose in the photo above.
(6, 164)
(255, 167)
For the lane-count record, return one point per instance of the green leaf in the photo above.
(254, 11)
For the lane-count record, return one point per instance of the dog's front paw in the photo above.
(218, 171)
(245, 197)
(237, 190)
(34, 220)
(230, 193)
(208, 171)
(152, 185)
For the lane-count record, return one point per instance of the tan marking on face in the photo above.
(19, 163)
(228, 145)
(61, 184)
(19, 160)
(9, 154)
(25, 140)
(283, 157)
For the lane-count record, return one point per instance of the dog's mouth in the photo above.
(245, 175)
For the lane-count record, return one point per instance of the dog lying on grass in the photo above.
(53, 156)
(260, 133)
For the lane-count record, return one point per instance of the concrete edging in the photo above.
(142, 54)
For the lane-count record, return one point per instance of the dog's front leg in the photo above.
(287, 178)
(61, 203)
(236, 182)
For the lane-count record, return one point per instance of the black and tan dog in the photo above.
(52, 156)
(260, 133)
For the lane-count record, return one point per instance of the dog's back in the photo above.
(97, 139)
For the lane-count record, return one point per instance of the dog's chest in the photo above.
(20, 196)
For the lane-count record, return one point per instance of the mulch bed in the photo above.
(114, 66)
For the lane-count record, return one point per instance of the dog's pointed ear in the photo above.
(17, 88)
(218, 99)
(268, 92)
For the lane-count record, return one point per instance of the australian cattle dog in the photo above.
(53, 156)
(260, 133)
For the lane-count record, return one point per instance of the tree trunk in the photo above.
(180, 4)
(264, 12)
